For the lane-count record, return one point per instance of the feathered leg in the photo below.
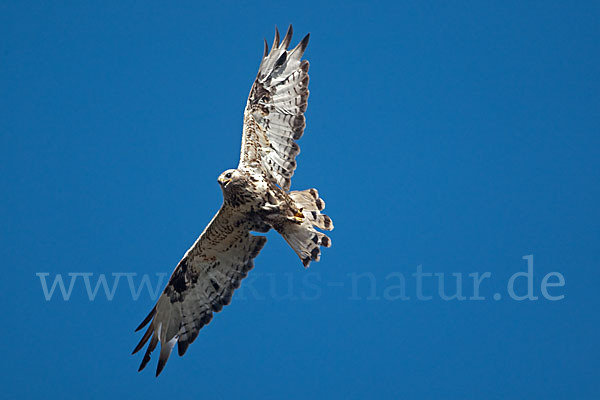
(297, 225)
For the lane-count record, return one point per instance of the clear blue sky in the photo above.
(459, 136)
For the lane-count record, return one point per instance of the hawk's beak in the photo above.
(224, 181)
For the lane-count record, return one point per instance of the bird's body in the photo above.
(256, 198)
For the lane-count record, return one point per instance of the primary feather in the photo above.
(274, 114)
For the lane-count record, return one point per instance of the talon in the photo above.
(299, 217)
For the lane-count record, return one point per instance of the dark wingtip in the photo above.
(151, 347)
(145, 361)
(304, 43)
(160, 366)
(165, 352)
(182, 347)
(266, 52)
(288, 37)
(147, 319)
(276, 40)
(145, 338)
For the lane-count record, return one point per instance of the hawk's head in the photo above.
(230, 177)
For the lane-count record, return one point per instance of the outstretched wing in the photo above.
(274, 114)
(202, 283)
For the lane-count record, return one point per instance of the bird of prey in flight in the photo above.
(256, 198)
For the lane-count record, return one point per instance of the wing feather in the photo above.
(274, 114)
(201, 284)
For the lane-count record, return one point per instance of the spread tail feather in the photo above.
(300, 232)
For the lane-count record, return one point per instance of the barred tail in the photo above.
(300, 232)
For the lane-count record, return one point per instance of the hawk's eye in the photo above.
(228, 175)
